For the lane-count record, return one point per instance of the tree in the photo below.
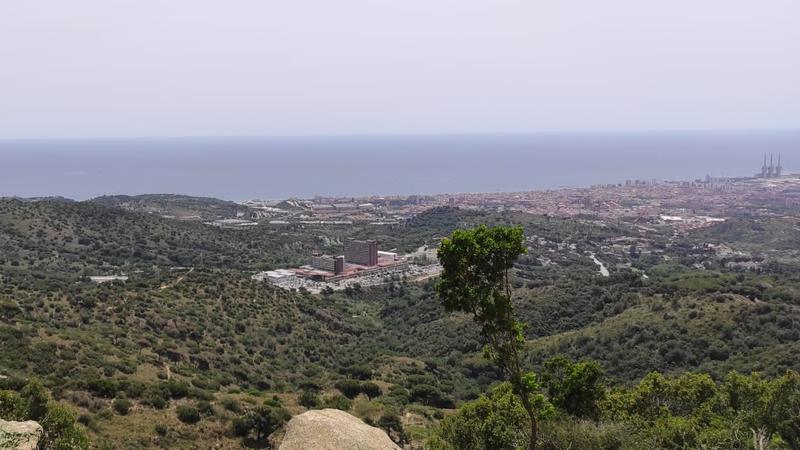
(575, 387)
(350, 388)
(267, 419)
(476, 279)
(394, 428)
(264, 420)
(309, 399)
(37, 399)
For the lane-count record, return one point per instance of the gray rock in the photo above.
(332, 429)
(20, 435)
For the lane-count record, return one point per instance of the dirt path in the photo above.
(178, 280)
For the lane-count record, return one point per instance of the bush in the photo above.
(339, 402)
(34, 403)
(187, 414)
(263, 420)
(205, 408)
(102, 387)
(177, 389)
(394, 428)
(308, 399)
(121, 406)
(493, 422)
(231, 404)
(61, 430)
(371, 390)
(161, 429)
(350, 388)
(156, 396)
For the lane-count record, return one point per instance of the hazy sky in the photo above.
(203, 67)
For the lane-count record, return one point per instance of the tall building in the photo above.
(364, 253)
(779, 168)
(764, 167)
(333, 264)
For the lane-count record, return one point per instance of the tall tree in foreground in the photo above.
(476, 279)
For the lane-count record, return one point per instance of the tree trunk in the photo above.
(534, 424)
(534, 432)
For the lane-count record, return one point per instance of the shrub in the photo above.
(338, 401)
(187, 414)
(102, 387)
(371, 390)
(308, 399)
(177, 389)
(121, 406)
(350, 388)
(231, 404)
(494, 422)
(263, 420)
(156, 396)
(205, 408)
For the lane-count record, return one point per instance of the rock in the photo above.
(332, 429)
(20, 435)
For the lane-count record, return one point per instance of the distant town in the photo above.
(680, 205)
(689, 200)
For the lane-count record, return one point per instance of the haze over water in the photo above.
(243, 168)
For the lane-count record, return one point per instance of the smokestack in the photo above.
(771, 169)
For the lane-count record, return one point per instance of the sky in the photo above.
(114, 68)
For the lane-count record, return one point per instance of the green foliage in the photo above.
(61, 431)
(161, 429)
(476, 279)
(351, 388)
(12, 406)
(337, 401)
(187, 414)
(261, 420)
(488, 423)
(575, 388)
(691, 410)
(37, 399)
(121, 406)
(308, 399)
(394, 428)
(371, 390)
(575, 434)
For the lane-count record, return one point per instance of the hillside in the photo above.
(190, 327)
(182, 207)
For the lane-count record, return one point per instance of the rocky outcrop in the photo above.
(331, 429)
(20, 435)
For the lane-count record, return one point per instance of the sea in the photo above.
(269, 168)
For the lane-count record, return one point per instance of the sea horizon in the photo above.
(240, 168)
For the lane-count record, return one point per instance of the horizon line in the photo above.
(400, 134)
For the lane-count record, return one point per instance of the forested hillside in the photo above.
(190, 331)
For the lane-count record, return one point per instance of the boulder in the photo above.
(20, 435)
(332, 429)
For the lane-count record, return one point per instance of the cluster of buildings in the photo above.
(771, 170)
(360, 258)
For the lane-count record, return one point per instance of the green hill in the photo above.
(190, 327)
